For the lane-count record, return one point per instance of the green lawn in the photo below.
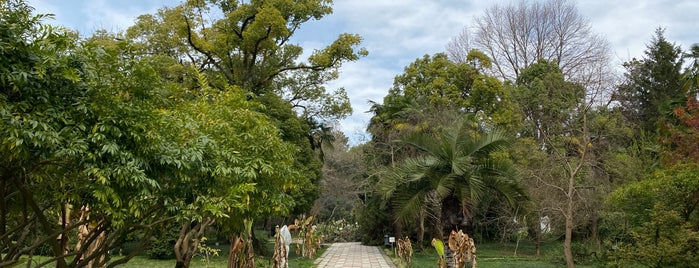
(489, 255)
(497, 255)
(295, 261)
(220, 261)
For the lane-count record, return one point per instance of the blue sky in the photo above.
(396, 32)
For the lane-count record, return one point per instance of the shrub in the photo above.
(338, 231)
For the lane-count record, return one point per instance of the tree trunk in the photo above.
(538, 233)
(567, 245)
(398, 228)
(421, 230)
(241, 254)
(452, 218)
(595, 231)
(448, 255)
(187, 242)
(567, 249)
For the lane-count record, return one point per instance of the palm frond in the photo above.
(408, 206)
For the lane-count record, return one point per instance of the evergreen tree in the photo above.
(653, 85)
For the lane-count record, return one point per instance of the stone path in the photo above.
(353, 255)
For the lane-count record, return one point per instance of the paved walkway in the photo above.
(353, 255)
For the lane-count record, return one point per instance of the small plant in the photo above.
(338, 231)
(205, 251)
(439, 247)
(311, 242)
(405, 250)
(463, 248)
(282, 239)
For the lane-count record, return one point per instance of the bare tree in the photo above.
(459, 46)
(517, 35)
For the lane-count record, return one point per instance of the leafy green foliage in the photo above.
(675, 188)
(667, 240)
(439, 82)
(661, 215)
(544, 81)
(653, 84)
(456, 167)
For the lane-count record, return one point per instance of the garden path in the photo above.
(353, 255)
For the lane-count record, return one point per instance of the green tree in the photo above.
(429, 87)
(660, 214)
(439, 82)
(455, 168)
(653, 85)
(249, 45)
(79, 134)
(559, 128)
(691, 73)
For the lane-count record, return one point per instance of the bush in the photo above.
(162, 246)
(338, 231)
(374, 222)
(665, 241)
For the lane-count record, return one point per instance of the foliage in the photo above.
(457, 165)
(653, 86)
(338, 231)
(441, 83)
(667, 240)
(545, 81)
(205, 251)
(660, 215)
(675, 188)
(374, 221)
(343, 182)
(681, 143)
(310, 240)
(439, 248)
(78, 131)
(162, 242)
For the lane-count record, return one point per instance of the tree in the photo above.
(653, 85)
(455, 167)
(442, 84)
(660, 213)
(245, 170)
(79, 134)
(248, 45)
(515, 36)
(560, 128)
(691, 73)
(343, 181)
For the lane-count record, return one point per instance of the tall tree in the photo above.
(444, 84)
(516, 35)
(79, 133)
(455, 167)
(248, 44)
(556, 119)
(653, 84)
(691, 73)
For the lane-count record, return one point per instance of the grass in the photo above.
(221, 261)
(496, 255)
(489, 255)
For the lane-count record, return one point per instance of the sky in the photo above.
(396, 32)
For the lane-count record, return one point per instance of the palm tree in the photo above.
(454, 169)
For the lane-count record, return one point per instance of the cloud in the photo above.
(86, 16)
(629, 25)
(397, 32)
